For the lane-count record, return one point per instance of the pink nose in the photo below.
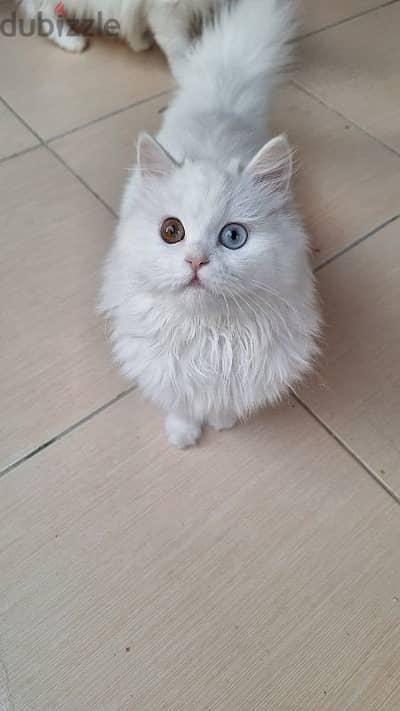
(196, 263)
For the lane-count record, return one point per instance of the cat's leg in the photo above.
(170, 24)
(223, 420)
(139, 37)
(66, 38)
(182, 431)
(135, 29)
(54, 28)
(140, 42)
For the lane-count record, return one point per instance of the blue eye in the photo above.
(233, 236)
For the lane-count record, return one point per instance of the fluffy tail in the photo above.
(239, 55)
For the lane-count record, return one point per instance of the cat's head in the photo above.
(197, 230)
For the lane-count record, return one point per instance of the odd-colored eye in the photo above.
(172, 230)
(233, 236)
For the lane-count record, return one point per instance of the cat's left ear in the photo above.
(152, 158)
(273, 165)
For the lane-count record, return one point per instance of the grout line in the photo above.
(109, 115)
(81, 180)
(299, 85)
(20, 153)
(344, 20)
(121, 110)
(43, 144)
(348, 449)
(22, 120)
(356, 243)
(376, 229)
(67, 431)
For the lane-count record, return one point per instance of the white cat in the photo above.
(138, 21)
(208, 284)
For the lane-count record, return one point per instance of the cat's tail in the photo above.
(235, 62)
(239, 55)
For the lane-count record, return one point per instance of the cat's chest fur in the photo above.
(195, 361)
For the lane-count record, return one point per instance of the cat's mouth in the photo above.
(194, 283)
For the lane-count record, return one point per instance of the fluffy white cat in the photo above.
(208, 284)
(139, 21)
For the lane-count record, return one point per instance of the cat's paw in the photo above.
(77, 44)
(140, 42)
(182, 432)
(72, 43)
(222, 421)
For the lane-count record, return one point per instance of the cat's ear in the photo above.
(152, 158)
(273, 165)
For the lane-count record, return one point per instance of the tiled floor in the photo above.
(261, 570)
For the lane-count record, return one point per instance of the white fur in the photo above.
(213, 354)
(167, 21)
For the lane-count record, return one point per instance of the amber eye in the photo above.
(172, 230)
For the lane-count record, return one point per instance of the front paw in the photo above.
(72, 43)
(222, 421)
(182, 432)
(141, 42)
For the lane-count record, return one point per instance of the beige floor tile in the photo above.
(355, 68)
(110, 143)
(55, 91)
(257, 571)
(347, 184)
(14, 136)
(360, 395)
(317, 14)
(55, 363)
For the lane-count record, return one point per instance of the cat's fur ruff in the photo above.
(214, 353)
(167, 21)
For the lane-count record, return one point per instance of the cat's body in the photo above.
(139, 21)
(212, 332)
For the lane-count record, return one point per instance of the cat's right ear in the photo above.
(152, 158)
